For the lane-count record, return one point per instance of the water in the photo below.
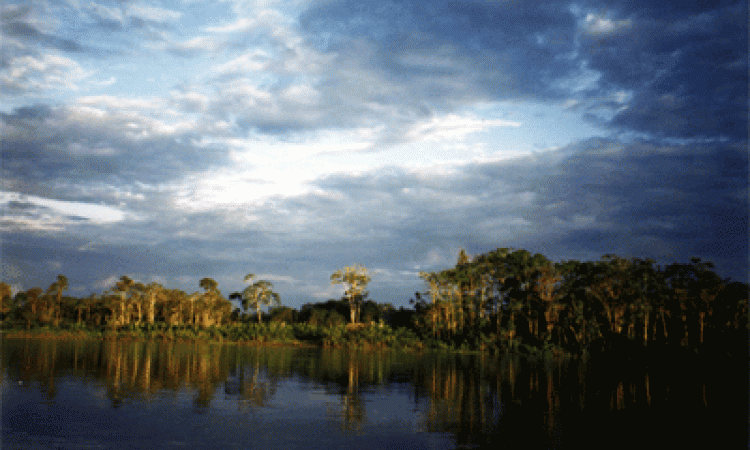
(132, 395)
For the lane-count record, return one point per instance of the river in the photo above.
(59, 394)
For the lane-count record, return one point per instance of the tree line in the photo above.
(511, 296)
(129, 302)
(503, 299)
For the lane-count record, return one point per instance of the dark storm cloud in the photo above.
(691, 198)
(493, 45)
(42, 147)
(33, 152)
(670, 202)
(686, 66)
(39, 259)
(15, 205)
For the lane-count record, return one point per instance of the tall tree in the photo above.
(495, 268)
(356, 279)
(122, 290)
(34, 306)
(154, 292)
(432, 312)
(259, 292)
(547, 280)
(57, 289)
(209, 301)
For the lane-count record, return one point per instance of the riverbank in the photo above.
(377, 339)
(273, 335)
(366, 338)
(65, 335)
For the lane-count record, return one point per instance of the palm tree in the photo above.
(356, 278)
(259, 292)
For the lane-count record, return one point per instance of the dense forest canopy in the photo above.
(500, 299)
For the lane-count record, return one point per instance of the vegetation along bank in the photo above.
(503, 301)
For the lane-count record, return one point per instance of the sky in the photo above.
(171, 141)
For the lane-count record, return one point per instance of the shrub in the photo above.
(334, 319)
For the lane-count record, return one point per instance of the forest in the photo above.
(506, 300)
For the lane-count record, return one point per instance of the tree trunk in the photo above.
(59, 305)
(151, 309)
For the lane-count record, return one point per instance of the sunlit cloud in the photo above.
(453, 126)
(28, 212)
(601, 25)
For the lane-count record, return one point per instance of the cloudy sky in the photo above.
(176, 140)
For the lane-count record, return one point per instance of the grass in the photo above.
(370, 337)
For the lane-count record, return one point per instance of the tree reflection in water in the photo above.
(480, 400)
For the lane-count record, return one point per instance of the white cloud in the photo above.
(108, 82)
(191, 99)
(107, 283)
(599, 25)
(331, 291)
(437, 257)
(304, 95)
(247, 93)
(453, 126)
(278, 278)
(197, 44)
(40, 73)
(262, 18)
(140, 117)
(121, 103)
(232, 188)
(47, 214)
(241, 24)
(252, 61)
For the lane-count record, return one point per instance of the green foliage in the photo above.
(503, 301)
(356, 279)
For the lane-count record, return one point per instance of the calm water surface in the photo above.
(132, 395)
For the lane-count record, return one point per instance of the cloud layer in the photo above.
(174, 141)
